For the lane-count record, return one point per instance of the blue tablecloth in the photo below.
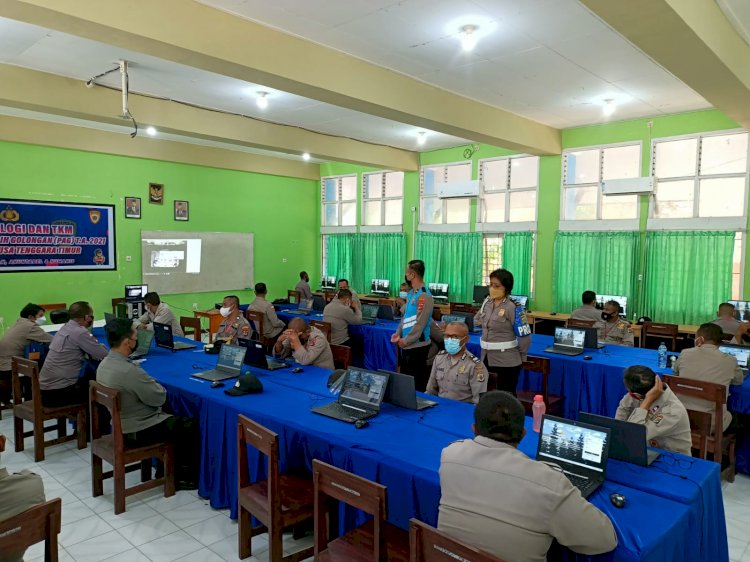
(663, 519)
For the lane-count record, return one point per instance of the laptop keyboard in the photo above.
(424, 403)
(343, 412)
(581, 482)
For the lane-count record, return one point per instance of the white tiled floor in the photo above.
(154, 528)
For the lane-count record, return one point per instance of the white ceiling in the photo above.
(738, 14)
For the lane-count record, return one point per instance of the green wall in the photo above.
(281, 212)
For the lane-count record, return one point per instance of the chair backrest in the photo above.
(36, 524)
(328, 296)
(324, 327)
(463, 307)
(342, 356)
(389, 302)
(256, 319)
(727, 338)
(54, 306)
(427, 544)
(21, 366)
(353, 490)
(267, 443)
(115, 302)
(660, 329)
(101, 396)
(292, 294)
(193, 323)
(59, 316)
(700, 428)
(539, 365)
(576, 323)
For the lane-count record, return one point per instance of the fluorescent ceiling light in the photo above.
(469, 37)
(609, 107)
(262, 100)
(421, 138)
(151, 131)
(305, 156)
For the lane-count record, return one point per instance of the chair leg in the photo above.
(145, 470)
(119, 481)
(275, 545)
(169, 488)
(97, 476)
(245, 535)
(81, 429)
(62, 429)
(39, 441)
(18, 432)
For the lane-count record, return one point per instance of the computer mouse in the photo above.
(297, 370)
(217, 384)
(618, 500)
(361, 424)
(587, 357)
(553, 313)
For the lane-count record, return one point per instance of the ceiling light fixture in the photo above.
(421, 138)
(469, 37)
(609, 107)
(262, 100)
(305, 156)
(151, 131)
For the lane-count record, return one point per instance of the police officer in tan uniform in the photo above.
(306, 344)
(234, 325)
(587, 310)
(505, 333)
(272, 324)
(340, 313)
(344, 284)
(456, 373)
(725, 318)
(612, 328)
(651, 403)
(303, 287)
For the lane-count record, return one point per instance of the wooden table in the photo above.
(214, 321)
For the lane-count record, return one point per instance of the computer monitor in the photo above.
(623, 300)
(328, 283)
(481, 292)
(439, 291)
(741, 310)
(520, 300)
(380, 287)
(134, 293)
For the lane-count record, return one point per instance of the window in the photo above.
(383, 199)
(493, 255)
(700, 177)
(508, 189)
(339, 197)
(443, 211)
(583, 172)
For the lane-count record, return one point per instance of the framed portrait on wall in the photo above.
(156, 193)
(132, 207)
(181, 210)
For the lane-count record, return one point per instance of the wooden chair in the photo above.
(112, 448)
(328, 296)
(342, 356)
(256, 322)
(54, 306)
(324, 327)
(191, 325)
(59, 316)
(279, 502)
(463, 307)
(727, 338)
(115, 302)
(716, 444)
(291, 294)
(427, 544)
(376, 540)
(389, 302)
(36, 524)
(661, 332)
(33, 411)
(553, 403)
(576, 323)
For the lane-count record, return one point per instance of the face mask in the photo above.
(403, 294)
(452, 345)
(224, 311)
(41, 321)
(496, 292)
(606, 316)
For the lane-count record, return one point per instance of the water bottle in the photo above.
(662, 356)
(538, 409)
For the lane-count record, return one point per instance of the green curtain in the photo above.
(339, 252)
(517, 251)
(687, 275)
(360, 258)
(455, 259)
(605, 262)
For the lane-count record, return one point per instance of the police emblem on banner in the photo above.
(95, 215)
(99, 258)
(9, 215)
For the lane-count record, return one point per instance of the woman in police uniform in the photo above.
(505, 333)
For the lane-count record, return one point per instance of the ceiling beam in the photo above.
(32, 90)
(693, 40)
(203, 37)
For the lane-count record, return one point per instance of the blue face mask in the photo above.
(403, 294)
(452, 345)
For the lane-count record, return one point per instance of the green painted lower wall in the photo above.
(282, 213)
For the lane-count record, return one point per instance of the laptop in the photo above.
(360, 398)
(145, 337)
(319, 303)
(108, 316)
(740, 353)
(402, 392)
(229, 365)
(370, 313)
(568, 341)
(628, 441)
(580, 449)
(385, 312)
(256, 356)
(164, 338)
(591, 339)
(464, 318)
(305, 307)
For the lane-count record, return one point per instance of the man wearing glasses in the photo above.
(61, 379)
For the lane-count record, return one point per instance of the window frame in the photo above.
(444, 226)
(337, 229)
(598, 224)
(506, 226)
(532, 271)
(365, 228)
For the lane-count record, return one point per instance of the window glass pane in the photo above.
(621, 162)
(349, 188)
(459, 172)
(582, 167)
(372, 213)
(495, 175)
(493, 207)
(737, 266)
(493, 252)
(580, 203)
(724, 154)
(457, 211)
(524, 172)
(522, 206)
(619, 207)
(394, 184)
(674, 199)
(331, 192)
(394, 210)
(429, 181)
(373, 186)
(432, 210)
(348, 214)
(331, 215)
(722, 197)
(675, 158)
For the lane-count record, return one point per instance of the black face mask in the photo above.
(606, 315)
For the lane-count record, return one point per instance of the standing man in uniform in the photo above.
(413, 334)
(303, 287)
(344, 284)
(456, 373)
(505, 333)
(588, 310)
(612, 328)
(726, 319)
(234, 325)
(340, 313)
(651, 403)
(306, 344)
(157, 311)
(272, 324)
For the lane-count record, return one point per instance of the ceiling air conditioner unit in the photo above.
(458, 189)
(628, 186)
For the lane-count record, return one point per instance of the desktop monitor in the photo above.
(481, 292)
(439, 291)
(135, 293)
(328, 283)
(380, 287)
(520, 300)
(623, 300)
(741, 310)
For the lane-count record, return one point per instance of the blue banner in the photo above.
(42, 236)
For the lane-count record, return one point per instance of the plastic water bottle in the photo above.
(662, 356)
(538, 409)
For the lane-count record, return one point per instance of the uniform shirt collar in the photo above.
(492, 443)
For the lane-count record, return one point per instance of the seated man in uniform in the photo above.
(612, 328)
(403, 294)
(726, 320)
(340, 313)
(157, 311)
(456, 373)
(344, 284)
(272, 325)
(234, 325)
(588, 310)
(496, 498)
(306, 344)
(303, 287)
(705, 362)
(60, 378)
(651, 403)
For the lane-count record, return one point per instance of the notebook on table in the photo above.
(628, 441)
(402, 392)
(568, 341)
(164, 338)
(255, 356)
(228, 366)
(361, 395)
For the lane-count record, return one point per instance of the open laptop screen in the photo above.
(740, 353)
(567, 441)
(370, 310)
(570, 337)
(231, 356)
(144, 340)
(364, 387)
